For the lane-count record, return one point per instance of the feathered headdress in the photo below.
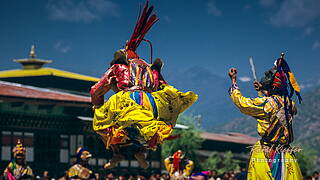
(146, 19)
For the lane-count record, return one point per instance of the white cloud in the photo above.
(81, 10)
(316, 45)
(62, 46)
(212, 9)
(245, 79)
(296, 13)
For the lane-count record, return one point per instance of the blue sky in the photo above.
(82, 35)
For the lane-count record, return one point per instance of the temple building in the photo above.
(239, 144)
(50, 110)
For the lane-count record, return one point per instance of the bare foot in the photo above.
(114, 161)
(141, 159)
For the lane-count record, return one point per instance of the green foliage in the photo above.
(222, 162)
(191, 121)
(189, 140)
(307, 160)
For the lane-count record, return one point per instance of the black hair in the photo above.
(268, 79)
(119, 58)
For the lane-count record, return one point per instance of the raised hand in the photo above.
(257, 85)
(233, 75)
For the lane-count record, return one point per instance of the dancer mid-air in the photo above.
(145, 108)
(271, 157)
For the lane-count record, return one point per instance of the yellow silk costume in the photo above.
(264, 109)
(121, 111)
(78, 171)
(19, 171)
(18, 168)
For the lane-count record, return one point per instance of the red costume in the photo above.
(138, 75)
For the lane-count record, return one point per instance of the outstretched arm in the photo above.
(252, 107)
(117, 74)
(101, 88)
(188, 168)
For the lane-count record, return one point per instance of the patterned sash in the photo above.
(280, 130)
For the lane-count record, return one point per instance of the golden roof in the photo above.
(33, 67)
(45, 72)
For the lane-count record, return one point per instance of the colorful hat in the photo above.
(19, 149)
(284, 74)
(79, 152)
(286, 82)
(281, 78)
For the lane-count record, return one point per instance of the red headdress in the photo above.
(145, 21)
(277, 79)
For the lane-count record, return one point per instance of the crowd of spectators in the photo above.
(210, 175)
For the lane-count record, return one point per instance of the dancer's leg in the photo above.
(116, 158)
(141, 158)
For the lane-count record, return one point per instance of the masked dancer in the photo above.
(18, 168)
(81, 169)
(145, 108)
(271, 157)
(178, 166)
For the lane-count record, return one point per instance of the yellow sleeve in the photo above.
(168, 165)
(252, 107)
(28, 171)
(188, 169)
(10, 165)
(9, 168)
(72, 172)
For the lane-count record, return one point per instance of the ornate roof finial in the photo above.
(32, 62)
(33, 52)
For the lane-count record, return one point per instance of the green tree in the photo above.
(307, 160)
(222, 162)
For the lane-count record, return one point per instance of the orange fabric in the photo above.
(113, 135)
(118, 137)
(132, 55)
